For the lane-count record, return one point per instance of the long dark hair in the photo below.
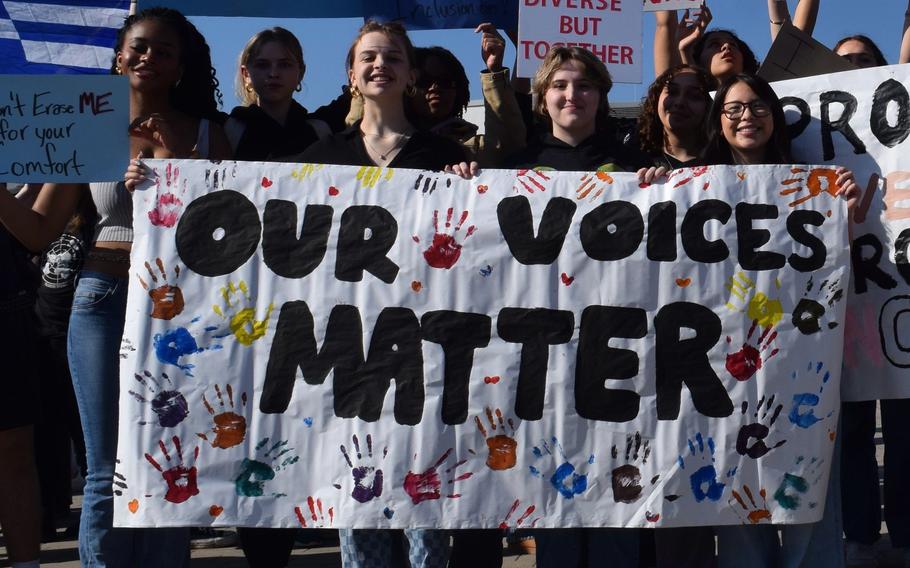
(651, 135)
(453, 69)
(750, 62)
(867, 41)
(777, 150)
(197, 93)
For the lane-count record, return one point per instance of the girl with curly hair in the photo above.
(173, 96)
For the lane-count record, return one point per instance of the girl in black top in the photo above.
(271, 125)
(671, 128)
(381, 71)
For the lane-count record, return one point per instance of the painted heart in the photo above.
(133, 505)
(482, 189)
(416, 285)
(683, 282)
(333, 191)
(741, 175)
(491, 380)
(566, 279)
(215, 510)
(266, 182)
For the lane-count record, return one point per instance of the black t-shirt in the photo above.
(264, 139)
(423, 151)
(664, 160)
(599, 152)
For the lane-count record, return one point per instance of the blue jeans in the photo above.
(93, 346)
(807, 545)
(587, 548)
(377, 548)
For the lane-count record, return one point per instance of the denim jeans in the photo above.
(93, 346)
(587, 548)
(807, 545)
(378, 548)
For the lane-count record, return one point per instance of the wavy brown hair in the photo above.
(251, 50)
(594, 70)
(651, 135)
(393, 31)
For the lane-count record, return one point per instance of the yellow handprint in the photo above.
(305, 171)
(369, 175)
(240, 314)
(767, 311)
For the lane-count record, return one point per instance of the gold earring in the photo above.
(119, 70)
(249, 88)
(410, 90)
(355, 92)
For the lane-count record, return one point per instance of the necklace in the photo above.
(383, 155)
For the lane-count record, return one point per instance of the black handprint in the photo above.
(757, 430)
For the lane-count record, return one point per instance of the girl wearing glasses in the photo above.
(746, 126)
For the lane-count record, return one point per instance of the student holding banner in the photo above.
(381, 71)
(172, 99)
(860, 491)
(747, 126)
(571, 88)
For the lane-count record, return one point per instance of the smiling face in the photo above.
(682, 104)
(380, 67)
(857, 53)
(150, 56)
(747, 134)
(721, 55)
(572, 101)
(273, 73)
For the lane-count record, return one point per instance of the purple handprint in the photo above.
(367, 477)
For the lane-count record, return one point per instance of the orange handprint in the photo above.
(819, 180)
(501, 447)
(167, 300)
(230, 427)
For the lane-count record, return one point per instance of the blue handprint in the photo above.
(802, 412)
(565, 479)
(175, 344)
(704, 482)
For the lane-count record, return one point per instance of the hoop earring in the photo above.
(410, 90)
(299, 87)
(249, 88)
(355, 92)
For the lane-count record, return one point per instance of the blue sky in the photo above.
(326, 41)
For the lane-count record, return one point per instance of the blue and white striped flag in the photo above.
(66, 36)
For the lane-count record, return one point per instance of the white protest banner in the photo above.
(610, 29)
(554, 363)
(861, 120)
(56, 128)
(655, 5)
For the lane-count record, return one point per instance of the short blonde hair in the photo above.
(592, 67)
(252, 48)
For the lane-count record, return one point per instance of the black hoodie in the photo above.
(600, 151)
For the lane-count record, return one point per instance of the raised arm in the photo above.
(905, 39)
(805, 16)
(504, 126)
(666, 53)
(37, 226)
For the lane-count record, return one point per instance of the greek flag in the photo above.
(67, 36)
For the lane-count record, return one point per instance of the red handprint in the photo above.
(505, 522)
(744, 363)
(181, 480)
(426, 486)
(317, 520)
(167, 205)
(445, 250)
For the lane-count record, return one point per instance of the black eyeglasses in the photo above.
(734, 110)
(427, 81)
